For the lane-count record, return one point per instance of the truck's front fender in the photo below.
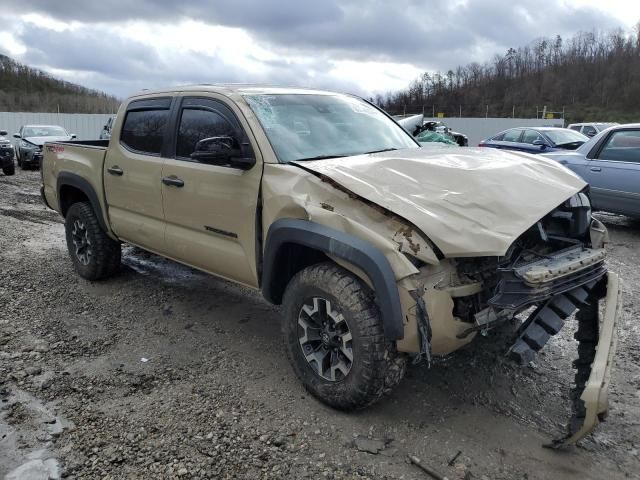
(338, 244)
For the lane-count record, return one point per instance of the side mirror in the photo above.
(3, 133)
(223, 150)
(16, 135)
(540, 143)
(73, 135)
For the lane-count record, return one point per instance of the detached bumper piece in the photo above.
(597, 344)
(597, 339)
(570, 280)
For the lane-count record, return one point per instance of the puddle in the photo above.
(25, 442)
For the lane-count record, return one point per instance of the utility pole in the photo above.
(486, 113)
(513, 112)
(460, 115)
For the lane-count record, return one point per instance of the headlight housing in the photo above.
(27, 146)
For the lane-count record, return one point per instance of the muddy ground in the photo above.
(164, 372)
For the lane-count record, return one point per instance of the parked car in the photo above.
(380, 251)
(430, 131)
(6, 155)
(30, 141)
(590, 129)
(536, 139)
(105, 133)
(610, 163)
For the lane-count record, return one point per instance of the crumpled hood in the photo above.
(39, 141)
(468, 201)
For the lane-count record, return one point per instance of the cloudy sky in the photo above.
(364, 46)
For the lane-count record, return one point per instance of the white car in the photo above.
(591, 129)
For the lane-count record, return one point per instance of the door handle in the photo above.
(115, 170)
(595, 169)
(173, 181)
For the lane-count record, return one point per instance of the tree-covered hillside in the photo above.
(26, 89)
(592, 76)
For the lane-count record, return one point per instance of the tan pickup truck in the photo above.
(379, 251)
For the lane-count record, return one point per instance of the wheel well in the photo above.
(289, 260)
(68, 196)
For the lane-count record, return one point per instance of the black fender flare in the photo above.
(341, 245)
(82, 184)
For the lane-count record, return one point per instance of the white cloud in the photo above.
(362, 47)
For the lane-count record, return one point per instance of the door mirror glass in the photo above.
(16, 135)
(73, 135)
(540, 143)
(220, 148)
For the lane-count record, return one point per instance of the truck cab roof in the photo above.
(237, 88)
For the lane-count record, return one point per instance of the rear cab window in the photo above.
(145, 124)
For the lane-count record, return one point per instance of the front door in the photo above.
(210, 210)
(614, 173)
(133, 174)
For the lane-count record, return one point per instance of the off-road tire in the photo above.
(10, 170)
(376, 367)
(104, 260)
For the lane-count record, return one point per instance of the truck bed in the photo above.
(81, 160)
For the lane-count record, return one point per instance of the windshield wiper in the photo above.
(382, 150)
(319, 157)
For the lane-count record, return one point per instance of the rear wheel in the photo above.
(94, 254)
(334, 338)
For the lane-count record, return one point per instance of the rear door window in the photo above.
(144, 127)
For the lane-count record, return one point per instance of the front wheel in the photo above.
(334, 338)
(9, 170)
(94, 254)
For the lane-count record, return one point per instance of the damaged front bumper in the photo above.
(590, 402)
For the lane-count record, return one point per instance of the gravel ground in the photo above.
(164, 372)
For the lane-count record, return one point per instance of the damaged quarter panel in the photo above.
(289, 192)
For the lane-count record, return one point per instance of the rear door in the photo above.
(210, 210)
(614, 172)
(133, 173)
